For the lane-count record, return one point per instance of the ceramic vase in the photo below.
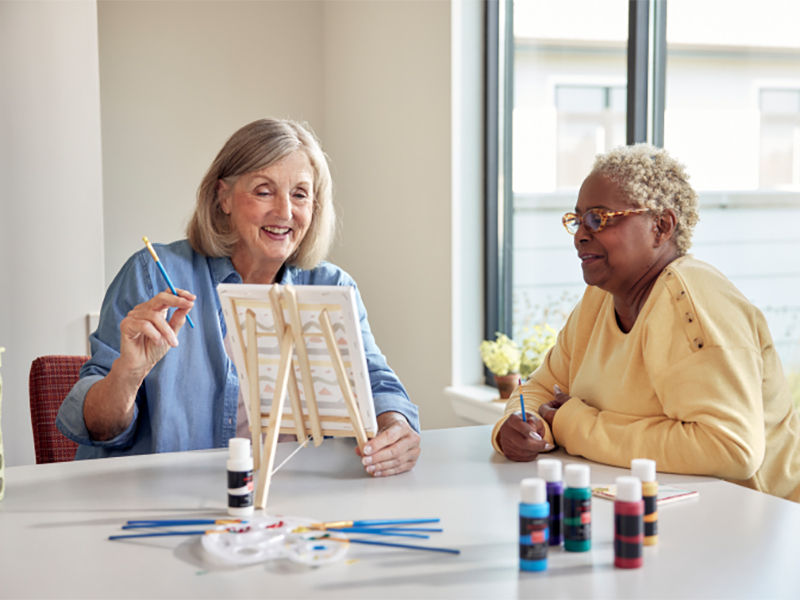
(506, 384)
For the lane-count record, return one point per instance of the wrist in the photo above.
(388, 418)
(124, 377)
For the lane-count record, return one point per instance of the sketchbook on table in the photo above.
(300, 359)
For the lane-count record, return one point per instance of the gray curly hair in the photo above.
(651, 178)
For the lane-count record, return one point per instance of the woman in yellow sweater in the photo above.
(663, 357)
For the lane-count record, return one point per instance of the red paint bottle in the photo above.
(628, 523)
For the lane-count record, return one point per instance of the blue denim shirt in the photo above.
(190, 398)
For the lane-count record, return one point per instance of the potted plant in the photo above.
(509, 362)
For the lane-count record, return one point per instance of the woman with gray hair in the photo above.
(265, 215)
(663, 358)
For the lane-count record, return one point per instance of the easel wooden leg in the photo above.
(276, 411)
(297, 409)
(290, 297)
(341, 376)
(254, 392)
(275, 295)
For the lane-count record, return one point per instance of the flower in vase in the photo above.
(501, 356)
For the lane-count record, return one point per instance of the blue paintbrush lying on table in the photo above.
(373, 527)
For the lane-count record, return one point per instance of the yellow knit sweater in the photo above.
(695, 385)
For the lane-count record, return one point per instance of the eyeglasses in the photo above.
(595, 219)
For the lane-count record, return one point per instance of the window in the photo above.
(716, 82)
(589, 119)
(779, 138)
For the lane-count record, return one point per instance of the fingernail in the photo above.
(557, 389)
(371, 469)
(367, 450)
(548, 446)
(535, 436)
(367, 460)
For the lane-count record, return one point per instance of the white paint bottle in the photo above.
(240, 478)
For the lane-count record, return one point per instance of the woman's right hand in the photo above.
(146, 335)
(522, 440)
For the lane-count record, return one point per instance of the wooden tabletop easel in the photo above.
(293, 354)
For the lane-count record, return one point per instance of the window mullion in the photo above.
(638, 46)
(498, 234)
(659, 70)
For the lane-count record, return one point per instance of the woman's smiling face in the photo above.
(270, 210)
(617, 257)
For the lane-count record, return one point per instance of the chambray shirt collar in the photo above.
(222, 270)
(286, 275)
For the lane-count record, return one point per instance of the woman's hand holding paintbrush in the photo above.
(146, 335)
(522, 435)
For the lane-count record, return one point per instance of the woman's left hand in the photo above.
(548, 409)
(394, 450)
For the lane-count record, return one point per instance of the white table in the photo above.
(730, 542)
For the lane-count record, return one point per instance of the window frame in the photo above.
(498, 210)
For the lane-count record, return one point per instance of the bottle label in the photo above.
(650, 515)
(240, 481)
(577, 518)
(555, 497)
(240, 500)
(533, 538)
(628, 535)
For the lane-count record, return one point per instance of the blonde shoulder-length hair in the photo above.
(257, 145)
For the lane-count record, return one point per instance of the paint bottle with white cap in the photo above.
(577, 509)
(549, 469)
(628, 523)
(240, 478)
(645, 470)
(534, 514)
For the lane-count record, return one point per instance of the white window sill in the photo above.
(476, 403)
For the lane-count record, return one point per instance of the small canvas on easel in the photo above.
(303, 342)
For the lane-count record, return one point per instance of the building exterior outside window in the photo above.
(731, 115)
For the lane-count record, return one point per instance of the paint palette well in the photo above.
(270, 538)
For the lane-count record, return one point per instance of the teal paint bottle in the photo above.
(577, 509)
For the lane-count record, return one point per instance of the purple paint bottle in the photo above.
(549, 469)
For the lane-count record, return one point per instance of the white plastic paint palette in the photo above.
(269, 538)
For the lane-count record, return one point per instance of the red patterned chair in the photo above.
(50, 381)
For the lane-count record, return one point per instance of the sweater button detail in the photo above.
(698, 343)
(689, 318)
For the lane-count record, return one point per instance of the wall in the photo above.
(387, 129)
(51, 234)
(176, 79)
